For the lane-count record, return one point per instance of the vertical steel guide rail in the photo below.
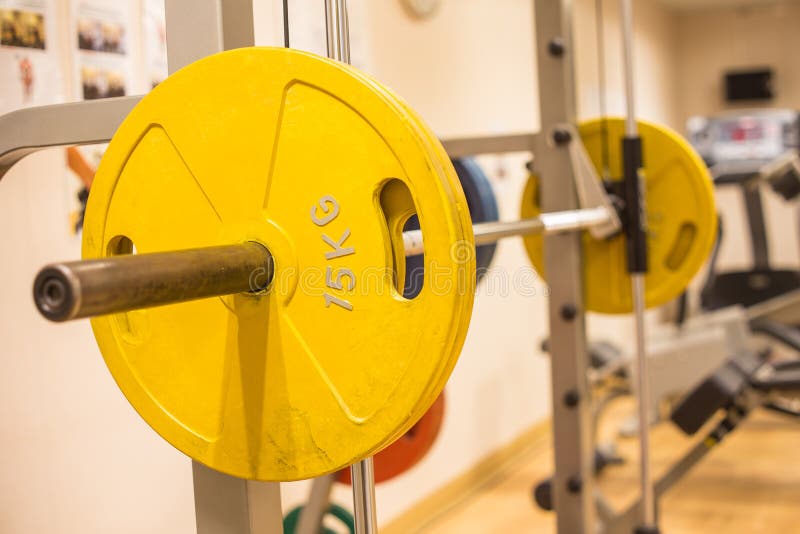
(636, 228)
(362, 473)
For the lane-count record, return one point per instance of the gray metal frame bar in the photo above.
(200, 28)
(229, 505)
(221, 503)
(29, 130)
(364, 510)
(493, 144)
(637, 275)
(95, 121)
(573, 481)
(784, 309)
(629, 519)
(197, 28)
(756, 224)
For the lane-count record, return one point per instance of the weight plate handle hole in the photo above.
(133, 325)
(400, 214)
(120, 245)
(681, 247)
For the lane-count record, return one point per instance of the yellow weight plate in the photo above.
(681, 219)
(460, 249)
(445, 167)
(465, 250)
(301, 154)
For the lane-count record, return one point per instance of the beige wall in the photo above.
(77, 459)
(712, 41)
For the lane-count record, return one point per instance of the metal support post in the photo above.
(200, 28)
(228, 505)
(494, 144)
(363, 476)
(636, 234)
(573, 489)
(757, 225)
(196, 29)
(76, 123)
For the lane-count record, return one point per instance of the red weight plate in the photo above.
(407, 451)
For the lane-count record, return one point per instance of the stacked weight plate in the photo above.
(461, 251)
(323, 166)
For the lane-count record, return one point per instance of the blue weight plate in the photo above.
(482, 208)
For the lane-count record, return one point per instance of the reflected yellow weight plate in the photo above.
(681, 218)
(300, 154)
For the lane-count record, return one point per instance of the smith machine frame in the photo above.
(227, 505)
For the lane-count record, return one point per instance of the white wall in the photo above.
(76, 456)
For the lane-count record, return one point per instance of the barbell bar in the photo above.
(79, 289)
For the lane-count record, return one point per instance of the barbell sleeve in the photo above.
(74, 290)
(88, 288)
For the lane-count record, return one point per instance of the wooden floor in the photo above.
(748, 484)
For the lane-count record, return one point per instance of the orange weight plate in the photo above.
(409, 449)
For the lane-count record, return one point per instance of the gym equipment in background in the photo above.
(713, 366)
(746, 381)
(707, 364)
(743, 148)
(738, 144)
